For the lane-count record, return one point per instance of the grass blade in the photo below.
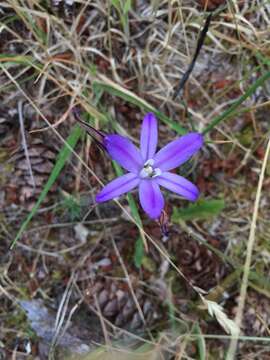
(139, 253)
(232, 109)
(117, 90)
(200, 342)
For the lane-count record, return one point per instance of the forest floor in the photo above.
(81, 280)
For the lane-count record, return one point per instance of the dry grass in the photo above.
(52, 59)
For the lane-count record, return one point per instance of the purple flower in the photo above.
(148, 169)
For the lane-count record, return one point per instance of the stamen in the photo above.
(148, 171)
(157, 172)
(144, 173)
(149, 162)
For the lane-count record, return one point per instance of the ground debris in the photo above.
(42, 321)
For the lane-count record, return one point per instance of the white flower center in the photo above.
(148, 171)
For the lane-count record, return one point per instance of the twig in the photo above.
(197, 51)
(24, 143)
(128, 281)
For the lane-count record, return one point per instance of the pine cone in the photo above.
(42, 159)
(200, 265)
(118, 306)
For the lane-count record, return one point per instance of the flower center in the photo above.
(148, 171)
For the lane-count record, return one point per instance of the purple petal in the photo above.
(149, 136)
(178, 151)
(151, 198)
(124, 152)
(118, 187)
(179, 185)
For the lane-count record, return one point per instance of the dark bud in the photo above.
(96, 135)
(164, 222)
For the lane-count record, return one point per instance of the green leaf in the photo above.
(134, 209)
(263, 59)
(127, 6)
(10, 59)
(203, 209)
(139, 252)
(116, 4)
(61, 160)
(200, 342)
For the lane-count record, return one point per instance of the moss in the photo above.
(149, 264)
(18, 320)
(246, 136)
